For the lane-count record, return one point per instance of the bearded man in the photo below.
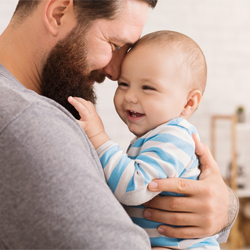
(52, 189)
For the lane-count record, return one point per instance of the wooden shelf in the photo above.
(235, 127)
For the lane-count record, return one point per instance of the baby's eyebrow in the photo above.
(122, 78)
(149, 80)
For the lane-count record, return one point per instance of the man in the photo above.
(52, 189)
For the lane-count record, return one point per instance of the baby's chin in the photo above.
(138, 135)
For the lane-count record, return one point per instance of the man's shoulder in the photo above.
(16, 100)
(37, 125)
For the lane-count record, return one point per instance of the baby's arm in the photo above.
(128, 176)
(90, 121)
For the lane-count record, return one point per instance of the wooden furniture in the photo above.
(235, 234)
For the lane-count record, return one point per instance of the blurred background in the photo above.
(222, 29)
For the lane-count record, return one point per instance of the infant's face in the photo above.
(150, 89)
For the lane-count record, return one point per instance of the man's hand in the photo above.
(90, 121)
(208, 206)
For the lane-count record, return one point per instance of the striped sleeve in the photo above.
(167, 151)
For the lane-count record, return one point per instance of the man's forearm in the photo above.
(233, 207)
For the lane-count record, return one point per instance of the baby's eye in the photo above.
(122, 84)
(146, 87)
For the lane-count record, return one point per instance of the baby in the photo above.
(161, 84)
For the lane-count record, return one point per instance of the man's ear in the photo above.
(57, 13)
(193, 100)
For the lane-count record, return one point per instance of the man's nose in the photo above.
(113, 69)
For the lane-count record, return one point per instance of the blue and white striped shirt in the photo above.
(166, 151)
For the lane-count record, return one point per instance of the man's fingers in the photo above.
(208, 165)
(171, 218)
(188, 224)
(182, 232)
(206, 158)
(199, 150)
(176, 185)
(173, 204)
(207, 162)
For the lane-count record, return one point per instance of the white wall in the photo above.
(7, 8)
(222, 29)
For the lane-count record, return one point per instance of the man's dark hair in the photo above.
(85, 9)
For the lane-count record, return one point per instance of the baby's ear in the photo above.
(193, 100)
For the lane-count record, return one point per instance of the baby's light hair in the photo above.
(190, 61)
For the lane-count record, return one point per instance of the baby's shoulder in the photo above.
(180, 124)
(178, 128)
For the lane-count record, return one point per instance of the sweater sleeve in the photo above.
(166, 152)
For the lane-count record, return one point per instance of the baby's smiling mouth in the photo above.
(134, 114)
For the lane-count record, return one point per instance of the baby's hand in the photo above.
(90, 121)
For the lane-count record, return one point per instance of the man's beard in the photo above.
(66, 72)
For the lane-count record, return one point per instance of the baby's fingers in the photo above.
(79, 106)
(87, 104)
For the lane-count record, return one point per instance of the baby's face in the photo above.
(150, 89)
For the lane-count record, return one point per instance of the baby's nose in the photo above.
(131, 96)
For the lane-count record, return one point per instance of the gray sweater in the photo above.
(52, 189)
